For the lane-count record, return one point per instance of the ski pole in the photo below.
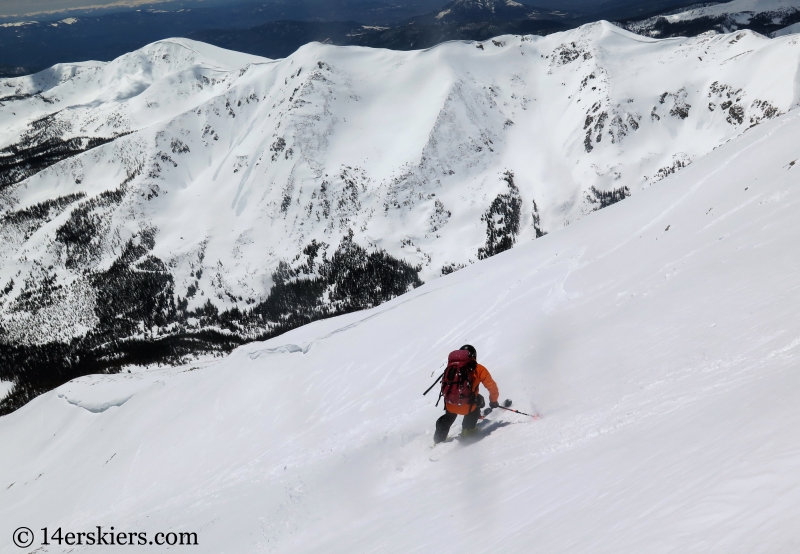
(433, 385)
(517, 411)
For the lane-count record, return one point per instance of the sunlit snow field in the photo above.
(658, 338)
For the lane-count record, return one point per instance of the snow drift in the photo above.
(658, 338)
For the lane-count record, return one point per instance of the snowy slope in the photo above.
(764, 16)
(658, 339)
(220, 166)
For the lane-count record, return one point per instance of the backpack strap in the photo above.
(472, 368)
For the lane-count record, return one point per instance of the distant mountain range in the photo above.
(471, 11)
(41, 43)
(276, 28)
(763, 16)
(10, 71)
(458, 20)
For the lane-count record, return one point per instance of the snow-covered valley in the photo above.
(657, 338)
(184, 192)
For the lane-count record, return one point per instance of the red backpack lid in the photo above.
(460, 356)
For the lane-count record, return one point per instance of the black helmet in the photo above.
(471, 349)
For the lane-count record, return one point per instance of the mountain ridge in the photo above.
(209, 198)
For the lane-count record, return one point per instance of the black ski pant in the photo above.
(444, 423)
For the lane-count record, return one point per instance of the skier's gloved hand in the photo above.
(494, 404)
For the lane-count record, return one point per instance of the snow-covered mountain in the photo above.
(658, 339)
(763, 16)
(183, 188)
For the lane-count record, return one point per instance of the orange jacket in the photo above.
(480, 375)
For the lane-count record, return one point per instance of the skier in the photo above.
(471, 407)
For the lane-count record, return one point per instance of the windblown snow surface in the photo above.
(209, 168)
(659, 339)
